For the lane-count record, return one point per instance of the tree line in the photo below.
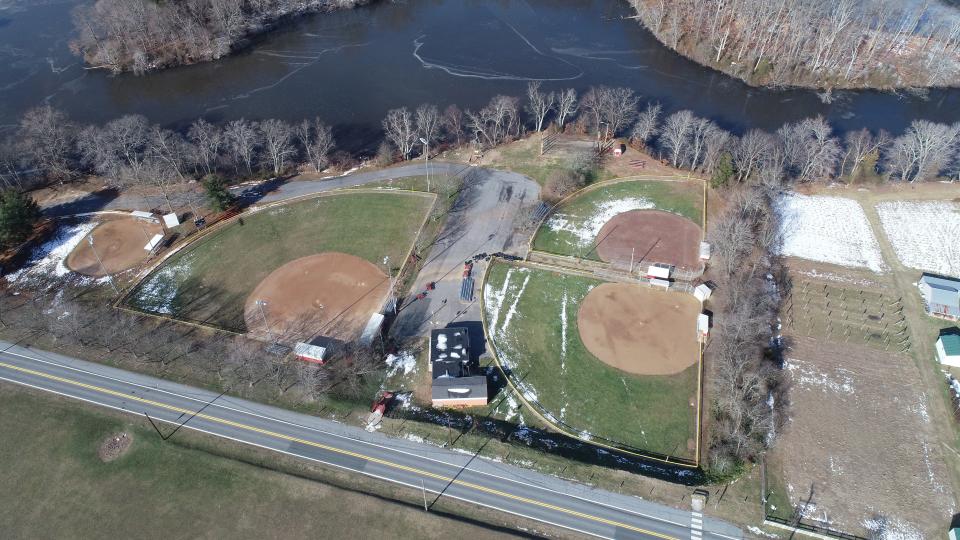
(144, 35)
(49, 147)
(818, 43)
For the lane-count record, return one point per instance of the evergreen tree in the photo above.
(18, 214)
(217, 192)
(723, 171)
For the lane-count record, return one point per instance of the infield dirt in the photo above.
(650, 236)
(640, 330)
(330, 294)
(119, 243)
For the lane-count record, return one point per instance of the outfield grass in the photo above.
(58, 488)
(526, 325)
(586, 212)
(209, 281)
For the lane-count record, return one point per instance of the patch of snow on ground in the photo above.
(806, 375)
(49, 259)
(586, 229)
(828, 229)
(495, 299)
(838, 278)
(924, 234)
(513, 307)
(401, 363)
(563, 334)
(414, 438)
(892, 529)
(158, 293)
(760, 532)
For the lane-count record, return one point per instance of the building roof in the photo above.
(450, 344)
(951, 344)
(448, 368)
(460, 388)
(310, 351)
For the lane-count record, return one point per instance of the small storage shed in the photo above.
(310, 353)
(948, 347)
(154, 242)
(704, 251)
(659, 270)
(702, 292)
(703, 326)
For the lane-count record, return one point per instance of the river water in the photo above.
(350, 67)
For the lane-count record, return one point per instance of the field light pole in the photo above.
(426, 160)
(100, 262)
(263, 315)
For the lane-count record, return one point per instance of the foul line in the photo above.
(349, 453)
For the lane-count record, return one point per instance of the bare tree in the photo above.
(277, 143)
(859, 145)
(647, 124)
(453, 123)
(243, 139)
(400, 130)
(676, 135)
(316, 138)
(428, 123)
(46, 136)
(207, 142)
(170, 149)
(922, 152)
(539, 104)
(749, 151)
(810, 150)
(492, 124)
(567, 106)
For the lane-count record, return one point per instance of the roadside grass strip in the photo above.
(531, 318)
(828, 229)
(573, 226)
(924, 234)
(209, 281)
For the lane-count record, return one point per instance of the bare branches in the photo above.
(400, 130)
(566, 106)
(539, 104)
(316, 139)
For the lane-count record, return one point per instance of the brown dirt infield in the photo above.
(653, 236)
(330, 294)
(640, 330)
(119, 242)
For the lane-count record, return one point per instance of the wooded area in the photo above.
(814, 43)
(144, 35)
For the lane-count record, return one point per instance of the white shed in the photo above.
(660, 283)
(310, 353)
(703, 325)
(948, 349)
(157, 238)
(170, 220)
(704, 251)
(702, 292)
(659, 270)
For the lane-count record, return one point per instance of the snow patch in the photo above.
(49, 259)
(834, 230)
(892, 529)
(513, 307)
(586, 229)
(806, 375)
(924, 234)
(160, 290)
(760, 532)
(402, 363)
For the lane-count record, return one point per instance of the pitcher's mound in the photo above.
(329, 294)
(640, 330)
(650, 236)
(119, 243)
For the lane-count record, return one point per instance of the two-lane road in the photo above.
(439, 472)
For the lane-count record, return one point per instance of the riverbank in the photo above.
(142, 36)
(854, 46)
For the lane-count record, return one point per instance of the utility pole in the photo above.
(100, 262)
(633, 252)
(263, 315)
(164, 191)
(426, 159)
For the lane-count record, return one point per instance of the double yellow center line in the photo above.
(335, 450)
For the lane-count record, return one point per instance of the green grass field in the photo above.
(210, 280)
(532, 320)
(57, 487)
(572, 228)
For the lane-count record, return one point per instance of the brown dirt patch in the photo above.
(330, 294)
(652, 236)
(119, 242)
(640, 330)
(114, 446)
(861, 441)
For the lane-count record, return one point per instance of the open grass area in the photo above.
(523, 157)
(210, 280)
(573, 227)
(531, 316)
(57, 487)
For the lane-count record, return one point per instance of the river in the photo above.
(350, 67)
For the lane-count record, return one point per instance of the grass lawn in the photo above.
(210, 280)
(524, 157)
(532, 320)
(572, 228)
(57, 487)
